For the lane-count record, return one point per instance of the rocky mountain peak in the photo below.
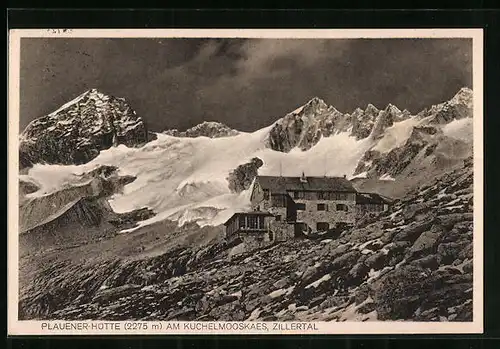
(464, 96)
(317, 102)
(358, 111)
(304, 126)
(314, 107)
(385, 119)
(458, 107)
(94, 93)
(426, 146)
(391, 108)
(76, 132)
(371, 109)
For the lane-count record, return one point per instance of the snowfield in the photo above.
(461, 129)
(396, 135)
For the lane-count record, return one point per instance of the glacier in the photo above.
(184, 178)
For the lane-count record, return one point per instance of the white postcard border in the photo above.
(16, 327)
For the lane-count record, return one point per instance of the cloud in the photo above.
(263, 57)
(247, 84)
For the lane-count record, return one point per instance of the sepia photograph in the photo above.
(251, 179)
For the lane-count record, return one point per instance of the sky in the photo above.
(246, 84)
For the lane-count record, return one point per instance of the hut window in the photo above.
(342, 207)
(321, 207)
(301, 207)
(339, 196)
(278, 217)
(253, 222)
(322, 226)
(266, 194)
(278, 200)
(261, 222)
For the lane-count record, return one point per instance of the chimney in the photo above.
(303, 178)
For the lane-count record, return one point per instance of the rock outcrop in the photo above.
(26, 186)
(210, 129)
(80, 129)
(242, 177)
(386, 118)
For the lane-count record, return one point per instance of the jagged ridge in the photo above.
(305, 126)
(210, 129)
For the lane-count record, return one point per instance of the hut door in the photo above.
(298, 229)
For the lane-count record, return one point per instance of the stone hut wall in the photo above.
(311, 215)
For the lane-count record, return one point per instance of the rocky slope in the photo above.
(82, 209)
(413, 262)
(426, 146)
(210, 129)
(80, 129)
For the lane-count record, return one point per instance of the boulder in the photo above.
(399, 293)
(431, 262)
(112, 294)
(413, 231)
(345, 261)
(449, 220)
(426, 243)
(357, 274)
(450, 251)
(376, 261)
